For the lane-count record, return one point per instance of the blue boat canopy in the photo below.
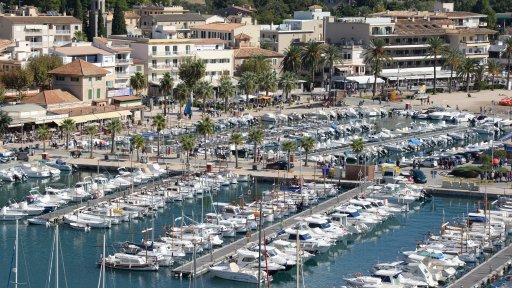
(415, 141)
(335, 128)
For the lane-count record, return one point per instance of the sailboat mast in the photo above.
(16, 256)
(297, 257)
(57, 256)
(103, 263)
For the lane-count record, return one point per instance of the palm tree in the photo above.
(188, 143)
(357, 146)
(114, 127)
(91, 130)
(332, 55)
(267, 82)
(287, 82)
(226, 90)
(467, 69)
(493, 69)
(138, 142)
(44, 133)
(436, 48)
(160, 124)
(256, 64)
(5, 121)
(255, 137)
(376, 56)
(137, 82)
(289, 146)
(453, 58)
(204, 90)
(307, 143)
(68, 126)
(166, 85)
(292, 60)
(181, 93)
(248, 83)
(311, 56)
(236, 139)
(191, 70)
(205, 127)
(508, 54)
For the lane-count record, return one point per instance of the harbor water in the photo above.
(80, 251)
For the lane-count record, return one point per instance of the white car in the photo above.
(429, 162)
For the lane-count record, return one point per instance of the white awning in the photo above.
(365, 79)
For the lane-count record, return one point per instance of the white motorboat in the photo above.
(8, 176)
(121, 261)
(80, 219)
(23, 207)
(363, 281)
(80, 226)
(231, 271)
(34, 171)
(61, 165)
(7, 215)
(38, 221)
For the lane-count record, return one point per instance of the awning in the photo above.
(365, 79)
(125, 112)
(16, 125)
(107, 115)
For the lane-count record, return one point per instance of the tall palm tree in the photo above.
(508, 53)
(236, 139)
(205, 127)
(267, 82)
(204, 91)
(467, 69)
(289, 146)
(138, 142)
(226, 90)
(292, 60)
(166, 85)
(43, 133)
(188, 143)
(191, 70)
(181, 94)
(114, 127)
(311, 57)
(453, 58)
(493, 69)
(68, 126)
(357, 146)
(436, 47)
(160, 124)
(256, 137)
(332, 55)
(307, 143)
(256, 64)
(137, 82)
(376, 56)
(91, 130)
(287, 82)
(248, 83)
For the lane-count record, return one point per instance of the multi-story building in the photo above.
(14, 55)
(244, 53)
(233, 10)
(228, 32)
(155, 10)
(41, 32)
(182, 22)
(131, 20)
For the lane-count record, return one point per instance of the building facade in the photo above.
(227, 32)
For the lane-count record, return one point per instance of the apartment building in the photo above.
(227, 32)
(182, 22)
(156, 10)
(41, 32)
(242, 54)
(14, 54)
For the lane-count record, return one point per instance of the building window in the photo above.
(76, 27)
(153, 76)
(138, 68)
(90, 94)
(90, 79)
(58, 78)
(74, 79)
(187, 49)
(154, 50)
(274, 61)
(98, 78)
(109, 83)
(175, 50)
(98, 93)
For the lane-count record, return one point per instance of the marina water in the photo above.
(80, 251)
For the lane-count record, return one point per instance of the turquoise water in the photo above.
(80, 251)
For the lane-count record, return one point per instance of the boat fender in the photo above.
(358, 274)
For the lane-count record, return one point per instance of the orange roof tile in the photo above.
(242, 36)
(218, 26)
(247, 52)
(79, 68)
(51, 97)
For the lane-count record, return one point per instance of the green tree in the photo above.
(86, 27)
(188, 143)
(493, 69)
(311, 56)
(191, 70)
(80, 36)
(204, 91)
(39, 67)
(307, 143)
(287, 82)
(292, 60)
(508, 53)
(267, 82)
(138, 142)
(332, 55)
(68, 126)
(289, 147)
(205, 127)
(160, 124)
(467, 69)
(181, 93)
(256, 64)
(376, 56)
(483, 7)
(236, 139)
(248, 83)
(101, 25)
(226, 90)
(91, 130)
(166, 85)
(453, 58)
(137, 82)
(5, 121)
(118, 22)
(114, 127)
(436, 47)
(357, 146)
(43, 133)
(256, 137)
(2, 93)
(124, 6)
(77, 11)
(19, 80)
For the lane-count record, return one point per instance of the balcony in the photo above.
(36, 44)
(60, 43)
(124, 61)
(169, 67)
(33, 32)
(62, 31)
(172, 54)
(122, 75)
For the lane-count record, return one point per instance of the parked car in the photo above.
(418, 176)
(279, 165)
(429, 162)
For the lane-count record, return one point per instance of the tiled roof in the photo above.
(51, 97)
(42, 19)
(4, 43)
(418, 14)
(81, 50)
(126, 98)
(472, 31)
(247, 52)
(178, 17)
(242, 36)
(79, 68)
(218, 26)
(137, 61)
